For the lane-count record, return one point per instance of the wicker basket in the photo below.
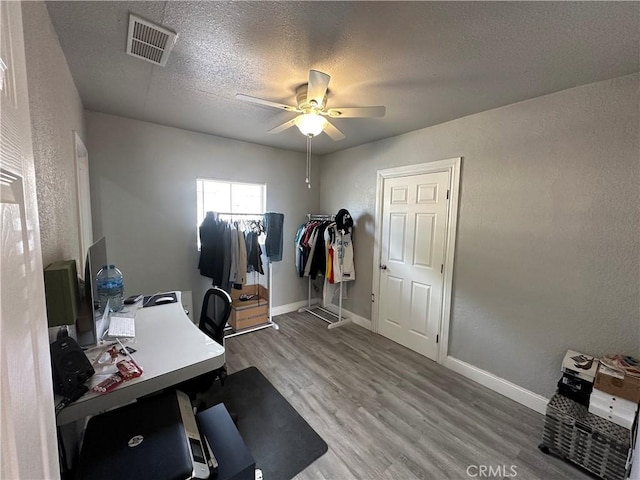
(596, 444)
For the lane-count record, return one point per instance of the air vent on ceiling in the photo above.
(148, 41)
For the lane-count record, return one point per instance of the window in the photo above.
(229, 197)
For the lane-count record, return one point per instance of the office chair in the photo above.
(216, 308)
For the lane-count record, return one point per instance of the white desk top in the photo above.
(170, 349)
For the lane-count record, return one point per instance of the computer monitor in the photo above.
(86, 325)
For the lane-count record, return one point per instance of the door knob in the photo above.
(383, 266)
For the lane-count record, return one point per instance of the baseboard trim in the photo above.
(355, 318)
(288, 308)
(503, 387)
(358, 320)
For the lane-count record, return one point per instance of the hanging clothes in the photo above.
(211, 263)
(328, 242)
(233, 269)
(254, 253)
(226, 257)
(274, 225)
(241, 266)
(298, 249)
(227, 254)
(343, 266)
(321, 249)
(318, 259)
(326, 248)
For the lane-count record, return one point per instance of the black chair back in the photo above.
(216, 308)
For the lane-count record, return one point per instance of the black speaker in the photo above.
(71, 367)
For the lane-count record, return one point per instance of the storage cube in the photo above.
(600, 446)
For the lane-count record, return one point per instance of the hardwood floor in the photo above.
(389, 413)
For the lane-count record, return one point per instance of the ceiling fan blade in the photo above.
(317, 88)
(283, 127)
(268, 103)
(356, 112)
(335, 134)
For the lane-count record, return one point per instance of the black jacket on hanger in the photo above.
(319, 259)
(254, 252)
(211, 262)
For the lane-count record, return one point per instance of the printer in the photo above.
(155, 438)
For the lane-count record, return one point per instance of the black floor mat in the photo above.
(281, 441)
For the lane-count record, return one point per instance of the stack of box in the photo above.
(615, 396)
(600, 446)
(578, 375)
(590, 420)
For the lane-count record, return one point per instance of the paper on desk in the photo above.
(104, 359)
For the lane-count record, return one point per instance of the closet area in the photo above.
(231, 255)
(324, 247)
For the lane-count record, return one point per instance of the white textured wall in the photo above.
(143, 196)
(56, 111)
(28, 446)
(547, 254)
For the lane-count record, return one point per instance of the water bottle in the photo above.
(110, 286)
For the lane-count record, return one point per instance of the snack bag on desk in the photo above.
(127, 370)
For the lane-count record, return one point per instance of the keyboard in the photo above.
(122, 326)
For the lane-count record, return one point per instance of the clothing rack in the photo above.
(319, 311)
(240, 216)
(270, 322)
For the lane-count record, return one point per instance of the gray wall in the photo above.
(56, 111)
(143, 194)
(547, 254)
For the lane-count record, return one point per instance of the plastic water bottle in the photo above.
(110, 286)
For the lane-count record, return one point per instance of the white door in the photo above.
(414, 222)
(27, 422)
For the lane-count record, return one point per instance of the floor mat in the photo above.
(281, 441)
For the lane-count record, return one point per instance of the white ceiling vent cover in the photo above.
(148, 41)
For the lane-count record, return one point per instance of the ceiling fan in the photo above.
(311, 100)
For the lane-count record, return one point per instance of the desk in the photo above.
(170, 349)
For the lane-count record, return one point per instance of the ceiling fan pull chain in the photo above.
(308, 179)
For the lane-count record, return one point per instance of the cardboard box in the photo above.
(249, 313)
(618, 384)
(613, 403)
(580, 365)
(622, 418)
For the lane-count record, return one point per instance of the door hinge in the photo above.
(437, 338)
(373, 298)
(442, 268)
(447, 194)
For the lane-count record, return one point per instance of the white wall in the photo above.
(143, 194)
(43, 117)
(548, 251)
(56, 111)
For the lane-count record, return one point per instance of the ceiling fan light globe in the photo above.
(310, 124)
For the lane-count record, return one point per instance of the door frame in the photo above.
(452, 166)
(85, 226)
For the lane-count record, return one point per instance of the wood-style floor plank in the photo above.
(389, 413)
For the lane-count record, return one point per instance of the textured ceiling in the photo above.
(427, 62)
